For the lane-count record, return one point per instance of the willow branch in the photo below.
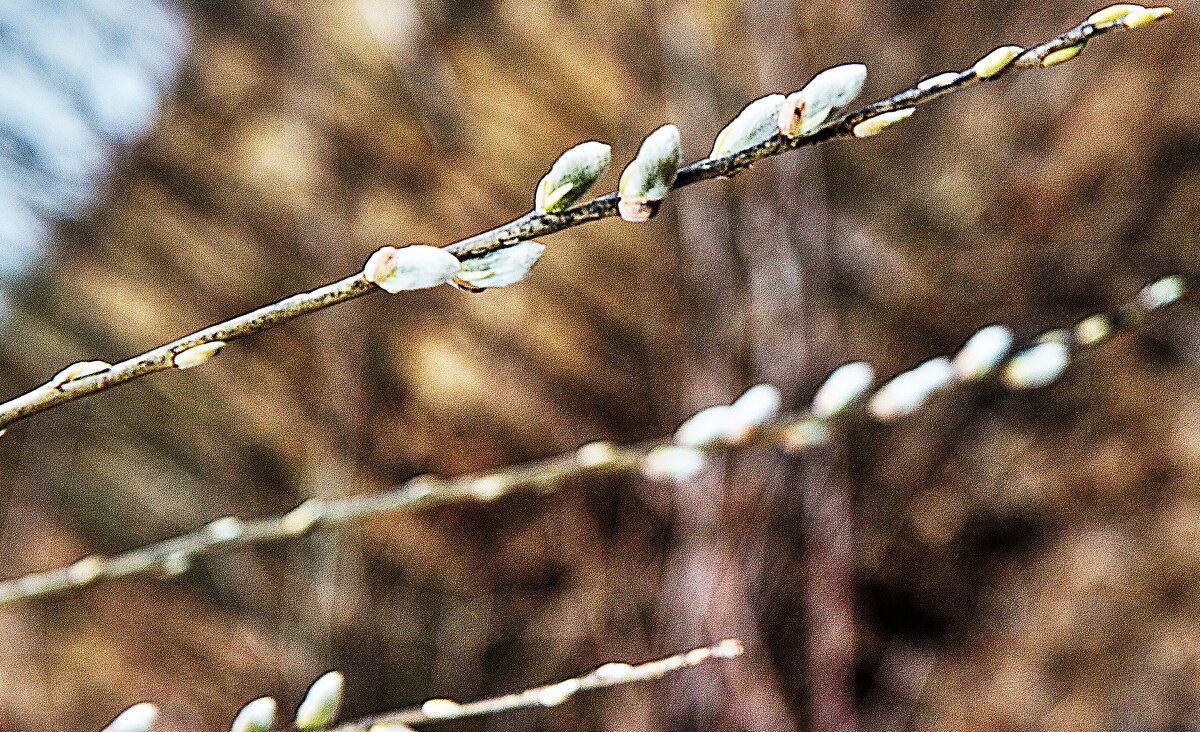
(795, 431)
(550, 695)
(524, 228)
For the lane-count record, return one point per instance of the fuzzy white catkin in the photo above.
(196, 355)
(827, 93)
(983, 352)
(1161, 292)
(905, 393)
(78, 370)
(502, 267)
(440, 708)
(413, 267)
(754, 124)
(673, 462)
(938, 80)
(874, 125)
(845, 384)
(1037, 366)
(556, 694)
(706, 427)
(138, 718)
(320, 705)
(756, 406)
(595, 453)
(257, 716)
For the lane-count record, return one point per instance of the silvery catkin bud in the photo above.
(827, 93)
(502, 267)
(846, 384)
(754, 124)
(646, 180)
(413, 267)
(257, 716)
(320, 705)
(575, 171)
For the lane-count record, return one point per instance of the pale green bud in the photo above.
(1138, 17)
(571, 176)
(647, 179)
(502, 267)
(1062, 55)
(1093, 329)
(1111, 13)
(995, 61)
(805, 434)
(880, 122)
(320, 705)
(754, 124)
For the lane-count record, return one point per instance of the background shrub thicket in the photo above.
(997, 561)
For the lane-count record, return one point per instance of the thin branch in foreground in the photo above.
(74, 383)
(324, 698)
(550, 695)
(753, 420)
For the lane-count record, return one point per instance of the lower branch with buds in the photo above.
(324, 698)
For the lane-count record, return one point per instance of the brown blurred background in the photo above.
(997, 561)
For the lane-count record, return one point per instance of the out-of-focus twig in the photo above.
(657, 459)
(550, 695)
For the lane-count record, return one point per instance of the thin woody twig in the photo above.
(798, 431)
(550, 695)
(523, 228)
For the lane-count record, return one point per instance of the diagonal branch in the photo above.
(674, 457)
(550, 695)
(65, 389)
